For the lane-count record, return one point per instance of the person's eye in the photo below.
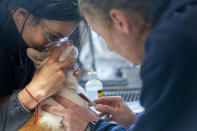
(53, 37)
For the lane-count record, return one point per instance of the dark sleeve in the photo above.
(169, 75)
(13, 114)
(103, 125)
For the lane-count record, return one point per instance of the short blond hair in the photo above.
(98, 10)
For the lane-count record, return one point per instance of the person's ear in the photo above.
(120, 20)
(35, 56)
(21, 14)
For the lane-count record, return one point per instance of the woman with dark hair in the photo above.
(24, 24)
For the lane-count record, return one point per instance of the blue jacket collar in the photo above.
(163, 8)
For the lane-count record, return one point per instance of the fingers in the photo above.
(66, 102)
(101, 114)
(58, 51)
(105, 108)
(107, 100)
(55, 110)
(68, 63)
(70, 43)
(76, 72)
(109, 119)
(106, 116)
(76, 68)
(77, 75)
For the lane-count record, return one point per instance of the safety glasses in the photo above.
(60, 41)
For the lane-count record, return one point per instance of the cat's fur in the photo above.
(47, 121)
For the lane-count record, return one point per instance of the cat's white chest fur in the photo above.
(51, 121)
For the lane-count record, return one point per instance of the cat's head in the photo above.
(40, 57)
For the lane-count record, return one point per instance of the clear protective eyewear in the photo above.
(60, 41)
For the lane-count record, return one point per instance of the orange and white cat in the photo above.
(47, 121)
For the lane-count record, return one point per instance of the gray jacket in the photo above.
(13, 114)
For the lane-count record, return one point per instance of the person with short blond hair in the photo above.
(160, 35)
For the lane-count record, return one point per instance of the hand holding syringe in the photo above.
(107, 114)
(85, 98)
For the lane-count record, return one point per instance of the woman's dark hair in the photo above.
(12, 42)
(47, 9)
(60, 10)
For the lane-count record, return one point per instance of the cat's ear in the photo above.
(35, 56)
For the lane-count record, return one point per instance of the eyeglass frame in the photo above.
(61, 40)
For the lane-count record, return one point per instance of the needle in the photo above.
(107, 114)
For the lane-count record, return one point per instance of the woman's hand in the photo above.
(120, 112)
(77, 72)
(47, 80)
(75, 117)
